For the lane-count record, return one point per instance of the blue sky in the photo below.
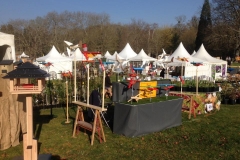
(162, 12)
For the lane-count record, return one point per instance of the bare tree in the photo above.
(226, 18)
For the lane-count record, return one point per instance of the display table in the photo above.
(137, 120)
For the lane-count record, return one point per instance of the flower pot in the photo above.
(189, 89)
(184, 89)
(232, 101)
(212, 89)
(238, 101)
(177, 88)
(200, 89)
(205, 89)
(225, 101)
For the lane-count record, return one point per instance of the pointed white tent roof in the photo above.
(204, 55)
(142, 56)
(107, 54)
(182, 52)
(79, 55)
(24, 55)
(194, 52)
(53, 56)
(127, 52)
(69, 52)
(114, 56)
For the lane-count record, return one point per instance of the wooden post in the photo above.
(76, 120)
(67, 121)
(30, 145)
(197, 80)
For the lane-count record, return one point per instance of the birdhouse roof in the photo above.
(6, 62)
(27, 70)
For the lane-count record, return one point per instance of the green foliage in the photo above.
(204, 26)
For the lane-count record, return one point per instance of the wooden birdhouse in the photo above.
(6, 66)
(26, 70)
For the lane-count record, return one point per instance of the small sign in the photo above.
(209, 107)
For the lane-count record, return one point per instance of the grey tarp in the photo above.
(137, 120)
(12, 116)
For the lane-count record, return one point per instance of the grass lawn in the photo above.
(209, 136)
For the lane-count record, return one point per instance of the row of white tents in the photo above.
(213, 68)
(64, 63)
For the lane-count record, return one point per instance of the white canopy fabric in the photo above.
(8, 45)
(53, 56)
(182, 52)
(107, 54)
(114, 57)
(79, 55)
(127, 52)
(190, 69)
(219, 67)
(204, 55)
(24, 55)
(142, 56)
(194, 52)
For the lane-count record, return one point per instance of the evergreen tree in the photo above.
(204, 26)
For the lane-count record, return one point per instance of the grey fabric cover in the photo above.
(131, 121)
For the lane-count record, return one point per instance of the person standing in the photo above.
(228, 60)
(108, 85)
(162, 73)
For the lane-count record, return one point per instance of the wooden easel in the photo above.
(97, 124)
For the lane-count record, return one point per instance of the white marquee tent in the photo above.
(59, 63)
(7, 47)
(107, 55)
(23, 55)
(219, 67)
(127, 52)
(142, 56)
(114, 57)
(190, 69)
(79, 55)
(53, 56)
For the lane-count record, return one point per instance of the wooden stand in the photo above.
(29, 144)
(97, 125)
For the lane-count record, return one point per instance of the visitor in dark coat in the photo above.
(162, 73)
(94, 99)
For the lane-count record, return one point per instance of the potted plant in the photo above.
(225, 92)
(191, 86)
(232, 96)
